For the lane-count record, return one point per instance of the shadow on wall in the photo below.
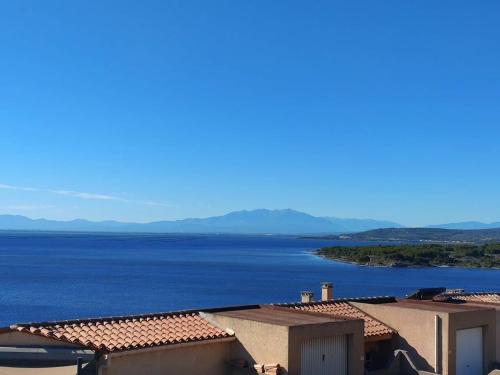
(378, 354)
(242, 362)
(401, 364)
(419, 361)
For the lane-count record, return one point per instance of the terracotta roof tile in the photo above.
(125, 333)
(474, 297)
(344, 310)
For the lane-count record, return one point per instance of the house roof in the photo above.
(488, 297)
(373, 328)
(438, 306)
(142, 331)
(281, 316)
(128, 332)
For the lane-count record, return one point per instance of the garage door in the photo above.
(470, 351)
(324, 356)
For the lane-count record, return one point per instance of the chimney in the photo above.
(306, 297)
(326, 291)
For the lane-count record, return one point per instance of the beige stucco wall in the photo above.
(416, 332)
(470, 319)
(497, 308)
(60, 370)
(257, 342)
(265, 343)
(497, 340)
(198, 359)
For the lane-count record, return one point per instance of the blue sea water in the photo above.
(52, 276)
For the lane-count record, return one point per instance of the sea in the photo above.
(59, 276)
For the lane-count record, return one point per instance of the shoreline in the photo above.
(413, 266)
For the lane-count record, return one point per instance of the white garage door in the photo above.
(325, 356)
(470, 351)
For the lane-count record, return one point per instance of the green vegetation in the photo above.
(485, 255)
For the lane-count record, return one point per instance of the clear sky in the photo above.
(147, 110)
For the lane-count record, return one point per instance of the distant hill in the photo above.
(260, 221)
(467, 225)
(359, 225)
(424, 234)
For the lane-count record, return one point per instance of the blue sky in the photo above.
(155, 110)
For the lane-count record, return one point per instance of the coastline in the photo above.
(316, 253)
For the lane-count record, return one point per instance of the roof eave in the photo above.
(375, 338)
(119, 353)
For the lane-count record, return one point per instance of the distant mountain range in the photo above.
(467, 225)
(260, 221)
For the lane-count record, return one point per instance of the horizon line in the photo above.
(118, 221)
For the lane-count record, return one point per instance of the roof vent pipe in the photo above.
(306, 297)
(326, 291)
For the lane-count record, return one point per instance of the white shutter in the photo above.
(324, 356)
(469, 351)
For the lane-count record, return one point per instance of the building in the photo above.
(300, 342)
(144, 344)
(211, 342)
(378, 335)
(489, 300)
(440, 337)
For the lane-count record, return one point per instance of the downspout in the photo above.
(437, 344)
(79, 366)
